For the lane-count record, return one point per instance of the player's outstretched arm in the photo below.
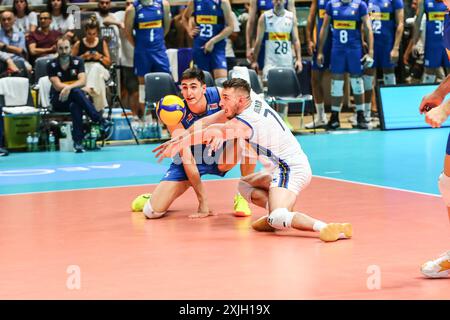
(435, 98)
(437, 116)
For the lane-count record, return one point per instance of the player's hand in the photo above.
(320, 59)
(203, 211)
(394, 55)
(214, 144)
(193, 32)
(436, 116)
(310, 47)
(169, 151)
(249, 54)
(430, 101)
(209, 46)
(162, 147)
(367, 61)
(298, 66)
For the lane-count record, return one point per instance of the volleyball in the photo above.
(170, 110)
(138, 204)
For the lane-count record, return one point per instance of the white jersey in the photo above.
(278, 39)
(277, 148)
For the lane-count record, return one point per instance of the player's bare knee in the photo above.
(245, 189)
(153, 211)
(444, 188)
(280, 218)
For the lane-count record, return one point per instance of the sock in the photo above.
(342, 236)
(319, 225)
(336, 108)
(367, 109)
(321, 110)
(360, 107)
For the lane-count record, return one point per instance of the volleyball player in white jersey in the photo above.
(277, 28)
(246, 116)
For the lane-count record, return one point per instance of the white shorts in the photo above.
(292, 177)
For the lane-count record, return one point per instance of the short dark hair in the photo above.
(194, 73)
(237, 83)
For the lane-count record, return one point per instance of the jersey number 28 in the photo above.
(281, 47)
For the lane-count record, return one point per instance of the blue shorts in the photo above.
(448, 145)
(176, 171)
(211, 61)
(382, 56)
(146, 61)
(346, 60)
(436, 56)
(326, 55)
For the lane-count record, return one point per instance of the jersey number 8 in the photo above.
(343, 36)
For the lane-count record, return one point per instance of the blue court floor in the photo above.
(406, 159)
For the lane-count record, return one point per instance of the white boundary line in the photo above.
(152, 184)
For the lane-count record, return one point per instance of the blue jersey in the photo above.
(149, 26)
(321, 7)
(447, 34)
(382, 14)
(346, 19)
(435, 12)
(209, 17)
(212, 106)
(264, 5)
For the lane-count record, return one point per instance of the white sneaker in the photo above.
(319, 122)
(439, 268)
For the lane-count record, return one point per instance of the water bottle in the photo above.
(29, 142)
(93, 139)
(35, 142)
(51, 141)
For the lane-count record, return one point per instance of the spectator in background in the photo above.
(129, 81)
(95, 53)
(42, 42)
(62, 21)
(146, 24)
(11, 41)
(26, 20)
(229, 51)
(67, 75)
(183, 40)
(11, 67)
(104, 15)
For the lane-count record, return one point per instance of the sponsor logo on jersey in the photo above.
(436, 16)
(140, 15)
(189, 117)
(344, 24)
(430, 5)
(280, 36)
(322, 2)
(354, 5)
(204, 19)
(199, 7)
(380, 16)
(150, 24)
(213, 106)
(321, 13)
(335, 12)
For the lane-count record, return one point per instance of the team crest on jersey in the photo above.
(213, 106)
(263, 3)
(386, 4)
(335, 12)
(322, 2)
(430, 5)
(199, 7)
(75, 62)
(353, 12)
(158, 12)
(214, 7)
(140, 16)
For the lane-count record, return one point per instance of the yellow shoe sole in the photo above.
(242, 214)
(333, 231)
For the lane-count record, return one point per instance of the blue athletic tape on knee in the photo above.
(245, 189)
(280, 218)
(444, 188)
(389, 79)
(357, 85)
(149, 213)
(337, 88)
(368, 82)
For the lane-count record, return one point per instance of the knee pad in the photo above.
(444, 188)
(219, 81)
(141, 93)
(245, 189)
(368, 82)
(149, 213)
(389, 79)
(337, 88)
(429, 78)
(280, 218)
(357, 85)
